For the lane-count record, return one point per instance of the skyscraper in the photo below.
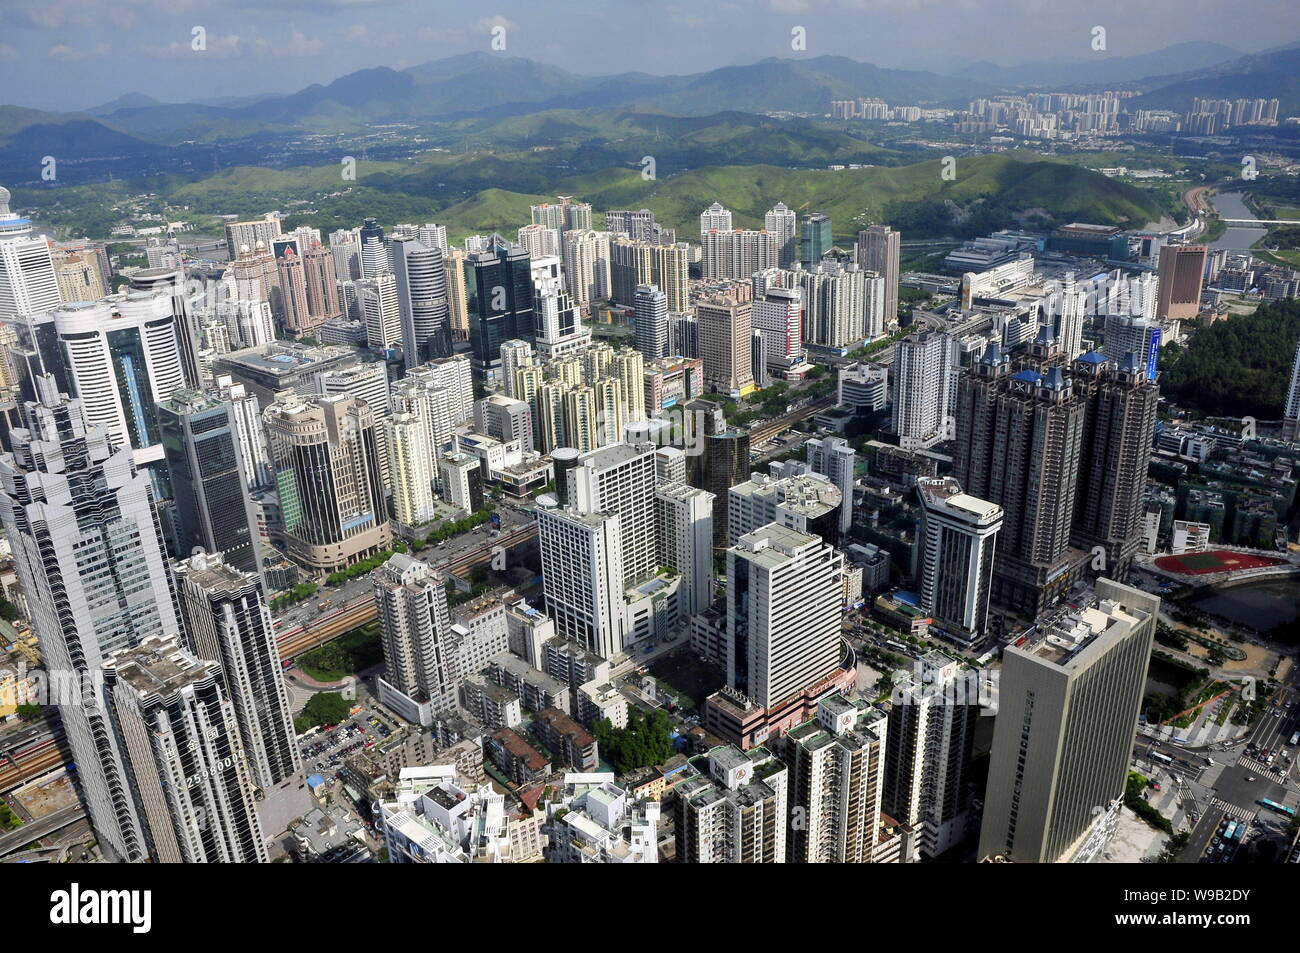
(1291, 409)
(1018, 446)
(651, 315)
(184, 756)
(89, 553)
(420, 671)
(783, 224)
(499, 288)
(815, 238)
(411, 468)
(836, 777)
(783, 613)
(835, 459)
(1068, 703)
(726, 338)
(329, 479)
(227, 621)
(715, 218)
(620, 479)
(956, 540)
(422, 301)
(582, 577)
(932, 719)
(878, 250)
(212, 508)
(1182, 274)
(27, 281)
(920, 390)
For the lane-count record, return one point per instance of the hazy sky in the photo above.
(66, 54)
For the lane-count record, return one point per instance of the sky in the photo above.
(73, 54)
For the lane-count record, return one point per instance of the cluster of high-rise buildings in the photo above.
(169, 451)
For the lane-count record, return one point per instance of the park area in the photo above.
(344, 656)
(686, 677)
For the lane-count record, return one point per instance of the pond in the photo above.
(1260, 605)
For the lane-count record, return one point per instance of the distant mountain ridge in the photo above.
(1179, 58)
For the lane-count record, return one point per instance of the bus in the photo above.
(1280, 808)
(1162, 758)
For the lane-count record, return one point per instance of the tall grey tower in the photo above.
(228, 622)
(89, 554)
(184, 755)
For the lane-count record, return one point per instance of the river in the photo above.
(1259, 605)
(1237, 237)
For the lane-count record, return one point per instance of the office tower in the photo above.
(783, 225)
(815, 238)
(212, 509)
(805, 502)
(672, 275)
(1181, 274)
(1018, 445)
(1121, 417)
(725, 336)
(254, 457)
(381, 311)
(124, 359)
(1291, 409)
(27, 281)
(620, 479)
(374, 249)
(836, 779)
(835, 459)
(422, 301)
(329, 479)
(240, 234)
(715, 218)
(227, 621)
(411, 465)
(297, 317)
(461, 478)
(499, 286)
(931, 729)
(631, 265)
(1130, 334)
(736, 254)
(586, 266)
(183, 753)
(878, 250)
(168, 287)
(956, 538)
(1068, 704)
(684, 534)
(724, 462)
(920, 390)
(733, 808)
(457, 295)
(505, 419)
(670, 467)
(783, 613)
(582, 577)
(88, 551)
(368, 382)
(420, 670)
(779, 315)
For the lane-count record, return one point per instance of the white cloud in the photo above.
(67, 54)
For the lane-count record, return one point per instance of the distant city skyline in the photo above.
(55, 52)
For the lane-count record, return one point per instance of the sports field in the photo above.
(1219, 560)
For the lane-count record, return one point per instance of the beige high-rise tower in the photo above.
(726, 340)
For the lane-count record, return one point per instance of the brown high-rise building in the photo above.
(1018, 441)
(878, 250)
(1121, 418)
(293, 293)
(323, 302)
(1182, 271)
(726, 336)
(1063, 450)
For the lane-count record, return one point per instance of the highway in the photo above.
(34, 830)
